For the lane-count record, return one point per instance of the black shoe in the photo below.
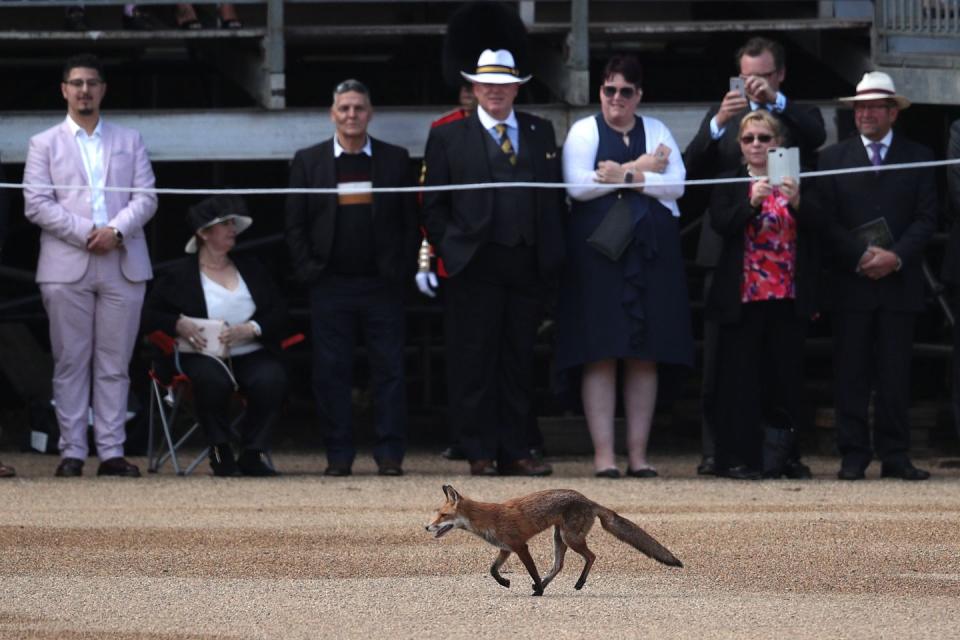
(904, 472)
(141, 21)
(707, 466)
(221, 460)
(740, 472)
(389, 468)
(646, 472)
(454, 452)
(253, 463)
(612, 473)
(851, 473)
(69, 468)
(337, 470)
(75, 19)
(796, 470)
(118, 467)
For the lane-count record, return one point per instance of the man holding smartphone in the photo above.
(715, 149)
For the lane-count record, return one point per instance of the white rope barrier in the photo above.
(467, 187)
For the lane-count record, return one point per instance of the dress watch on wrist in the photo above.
(628, 177)
(118, 235)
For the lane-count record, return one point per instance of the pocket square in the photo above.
(551, 155)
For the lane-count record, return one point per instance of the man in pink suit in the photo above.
(93, 263)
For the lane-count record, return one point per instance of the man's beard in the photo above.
(88, 111)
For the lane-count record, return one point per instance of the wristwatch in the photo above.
(628, 177)
(118, 235)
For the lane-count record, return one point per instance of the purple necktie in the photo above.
(875, 158)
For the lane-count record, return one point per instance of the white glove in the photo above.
(427, 283)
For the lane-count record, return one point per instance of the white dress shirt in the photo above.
(91, 152)
(884, 141)
(489, 123)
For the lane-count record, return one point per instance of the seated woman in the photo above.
(762, 296)
(238, 290)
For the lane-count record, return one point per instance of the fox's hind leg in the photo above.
(578, 542)
(559, 550)
(495, 568)
(524, 554)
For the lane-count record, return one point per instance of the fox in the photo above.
(509, 525)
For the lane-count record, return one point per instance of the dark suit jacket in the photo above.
(311, 219)
(907, 199)
(951, 260)
(178, 291)
(706, 158)
(458, 222)
(730, 211)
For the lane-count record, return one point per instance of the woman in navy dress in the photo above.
(635, 309)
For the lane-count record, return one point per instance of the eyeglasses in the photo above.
(78, 84)
(626, 93)
(762, 138)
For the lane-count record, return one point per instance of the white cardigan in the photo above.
(580, 151)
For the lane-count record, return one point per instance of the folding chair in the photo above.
(168, 384)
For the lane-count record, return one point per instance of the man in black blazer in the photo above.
(876, 225)
(356, 251)
(715, 149)
(500, 248)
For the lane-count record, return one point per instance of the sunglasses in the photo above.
(625, 92)
(763, 138)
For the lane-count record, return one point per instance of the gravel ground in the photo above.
(303, 556)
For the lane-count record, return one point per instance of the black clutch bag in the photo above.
(615, 232)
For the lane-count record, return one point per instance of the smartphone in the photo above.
(782, 163)
(662, 151)
(736, 84)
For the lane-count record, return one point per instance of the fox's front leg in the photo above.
(524, 554)
(495, 568)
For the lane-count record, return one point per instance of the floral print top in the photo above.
(770, 252)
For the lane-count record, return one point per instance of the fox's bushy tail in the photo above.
(636, 537)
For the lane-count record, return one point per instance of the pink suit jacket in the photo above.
(65, 215)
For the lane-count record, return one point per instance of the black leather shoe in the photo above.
(611, 473)
(646, 472)
(337, 470)
(525, 467)
(389, 468)
(221, 460)
(118, 467)
(851, 473)
(707, 466)
(904, 472)
(740, 472)
(75, 19)
(454, 452)
(69, 468)
(253, 463)
(796, 470)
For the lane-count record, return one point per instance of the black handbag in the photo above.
(615, 232)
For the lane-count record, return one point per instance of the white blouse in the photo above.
(235, 307)
(579, 167)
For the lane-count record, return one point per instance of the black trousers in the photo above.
(342, 307)
(263, 382)
(495, 304)
(872, 351)
(760, 367)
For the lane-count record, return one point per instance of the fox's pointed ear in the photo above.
(451, 493)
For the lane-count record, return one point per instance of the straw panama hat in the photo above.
(876, 85)
(496, 67)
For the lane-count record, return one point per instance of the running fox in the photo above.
(509, 525)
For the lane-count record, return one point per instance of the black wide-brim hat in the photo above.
(215, 210)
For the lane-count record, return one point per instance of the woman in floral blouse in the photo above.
(762, 296)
